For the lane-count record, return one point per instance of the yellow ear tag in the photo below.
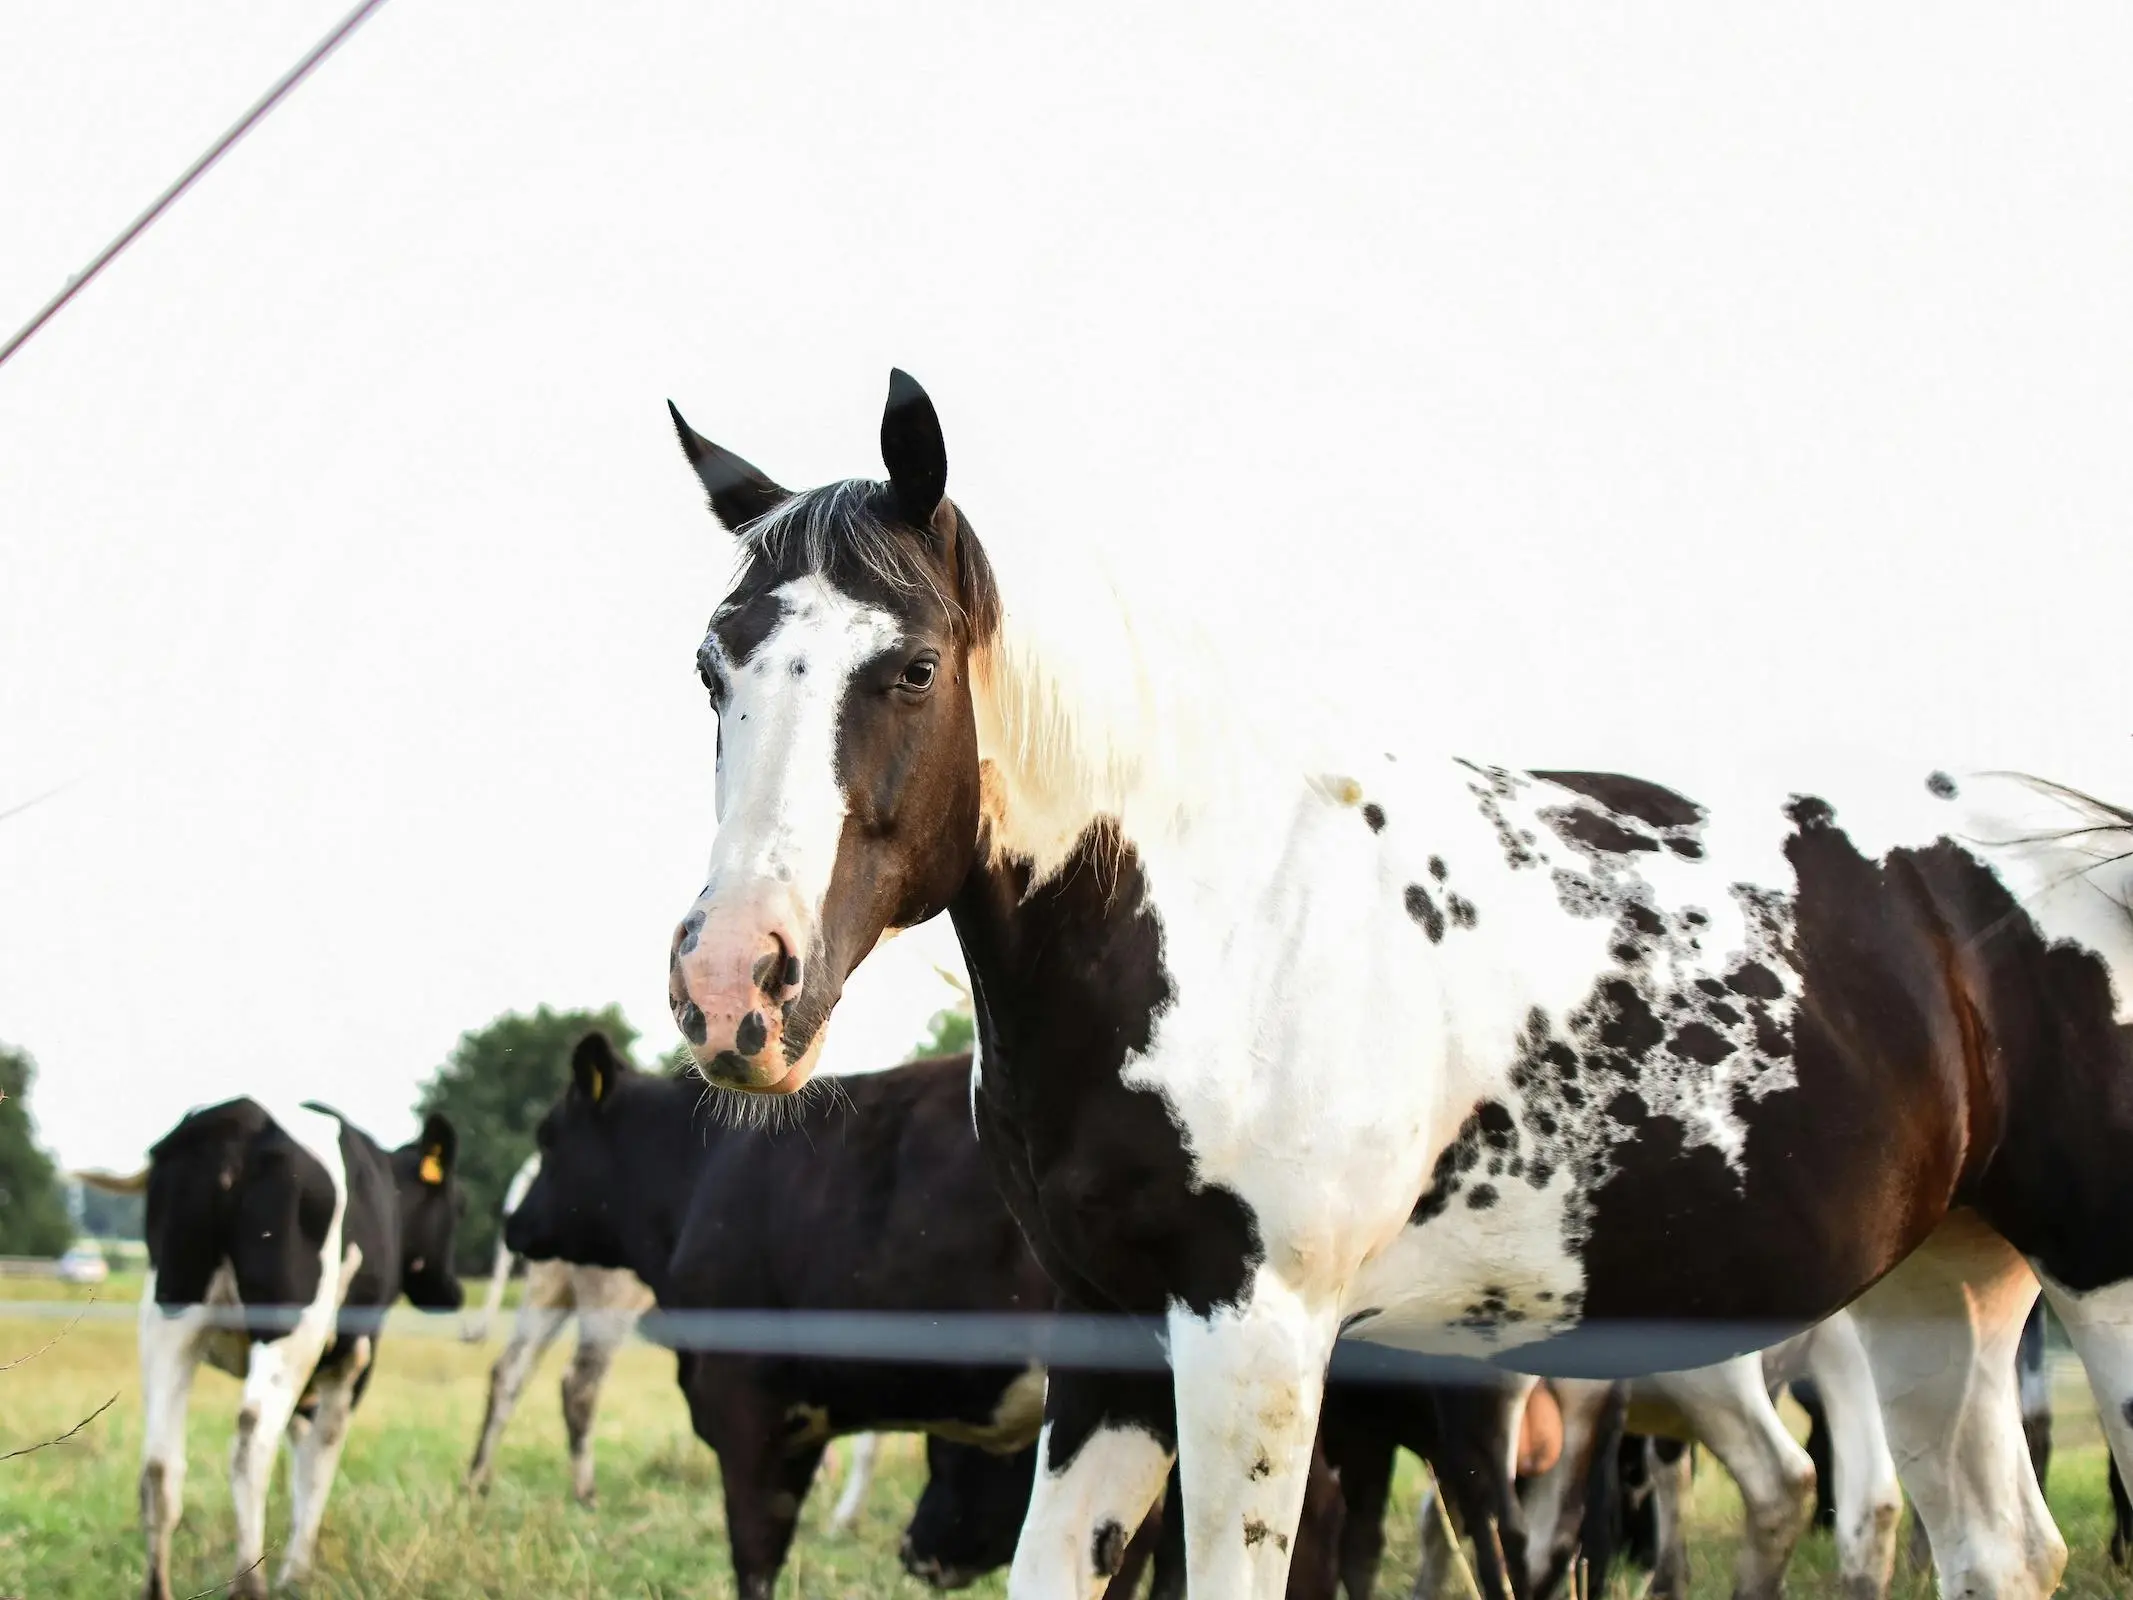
(432, 1168)
(599, 1083)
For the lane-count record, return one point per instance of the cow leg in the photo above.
(1360, 1444)
(532, 1332)
(856, 1483)
(1667, 1466)
(170, 1354)
(1553, 1503)
(766, 1485)
(1476, 1437)
(2121, 1518)
(1168, 1579)
(2035, 1385)
(315, 1454)
(274, 1376)
(1249, 1383)
(600, 1335)
(1730, 1411)
(765, 1480)
(2101, 1325)
(1867, 1500)
(1101, 1460)
(1940, 1332)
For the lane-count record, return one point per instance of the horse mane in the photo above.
(1092, 701)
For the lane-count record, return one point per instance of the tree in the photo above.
(496, 1086)
(112, 1216)
(950, 1033)
(33, 1206)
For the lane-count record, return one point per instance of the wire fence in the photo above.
(1065, 1340)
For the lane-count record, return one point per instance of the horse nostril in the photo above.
(685, 936)
(792, 972)
(749, 1037)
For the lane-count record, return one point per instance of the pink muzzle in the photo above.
(735, 966)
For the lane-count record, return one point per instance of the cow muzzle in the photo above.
(734, 970)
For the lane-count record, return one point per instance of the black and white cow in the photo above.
(876, 1200)
(266, 1231)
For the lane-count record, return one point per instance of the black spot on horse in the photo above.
(1462, 909)
(799, 667)
(1481, 1197)
(690, 1019)
(1437, 868)
(1940, 786)
(1701, 1042)
(691, 926)
(1109, 1551)
(1649, 803)
(1424, 910)
(1809, 811)
(1590, 828)
(1374, 814)
(752, 1033)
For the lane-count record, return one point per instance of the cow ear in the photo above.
(440, 1146)
(739, 493)
(913, 450)
(594, 1067)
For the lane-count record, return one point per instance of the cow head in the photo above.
(568, 1213)
(430, 1207)
(970, 1514)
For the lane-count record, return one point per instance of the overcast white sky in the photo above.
(1574, 386)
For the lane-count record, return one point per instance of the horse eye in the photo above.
(918, 676)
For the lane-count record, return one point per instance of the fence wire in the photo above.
(1066, 1340)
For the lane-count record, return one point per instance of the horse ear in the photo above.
(913, 450)
(440, 1144)
(594, 1066)
(739, 493)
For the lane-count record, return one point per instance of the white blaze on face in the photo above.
(781, 808)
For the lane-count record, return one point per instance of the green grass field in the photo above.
(399, 1524)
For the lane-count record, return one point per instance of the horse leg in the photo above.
(1249, 1382)
(1867, 1498)
(1940, 1332)
(1101, 1460)
(540, 1318)
(1730, 1411)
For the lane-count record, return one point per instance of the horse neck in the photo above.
(1049, 956)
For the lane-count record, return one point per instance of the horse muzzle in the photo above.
(734, 968)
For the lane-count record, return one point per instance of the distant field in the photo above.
(400, 1526)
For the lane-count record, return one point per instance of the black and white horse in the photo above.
(1431, 1053)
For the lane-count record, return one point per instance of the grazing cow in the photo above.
(876, 1200)
(607, 1303)
(1283, 1038)
(1728, 1408)
(266, 1231)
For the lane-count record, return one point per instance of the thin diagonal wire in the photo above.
(244, 125)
